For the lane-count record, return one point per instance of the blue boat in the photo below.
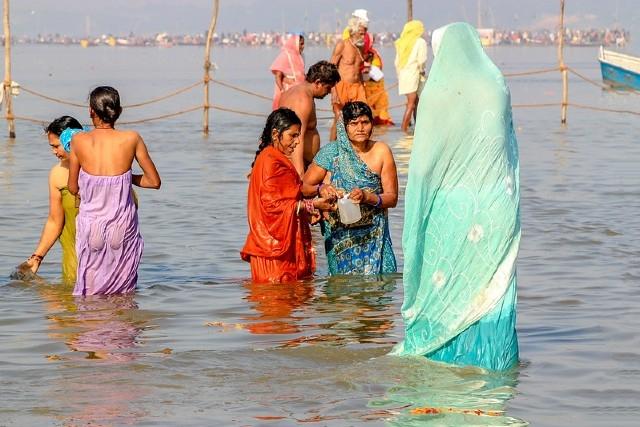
(619, 70)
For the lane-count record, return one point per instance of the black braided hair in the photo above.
(280, 120)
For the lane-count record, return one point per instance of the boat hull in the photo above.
(619, 70)
(619, 77)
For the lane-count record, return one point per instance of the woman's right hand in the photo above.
(34, 263)
(328, 191)
(31, 264)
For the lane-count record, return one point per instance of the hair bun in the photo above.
(105, 102)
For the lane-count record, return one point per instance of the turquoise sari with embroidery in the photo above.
(363, 247)
(462, 213)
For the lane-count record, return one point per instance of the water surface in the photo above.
(199, 344)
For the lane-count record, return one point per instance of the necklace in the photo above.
(357, 50)
(103, 127)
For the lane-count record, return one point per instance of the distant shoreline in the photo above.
(272, 47)
(488, 36)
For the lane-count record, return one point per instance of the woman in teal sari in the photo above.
(462, 215)
(364, 169)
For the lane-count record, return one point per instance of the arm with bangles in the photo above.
(313, 184)
(311, 205)
(54, 224)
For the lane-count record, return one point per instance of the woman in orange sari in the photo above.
(278, 246)
(288, 67)
(377, 96)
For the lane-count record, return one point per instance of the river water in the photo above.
(200, 345)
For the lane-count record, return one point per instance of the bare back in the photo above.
(106, 152)
(300, 99)
(110, 152)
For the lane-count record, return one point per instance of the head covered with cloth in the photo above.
(364, 171)
(462, 214)
(411, 32)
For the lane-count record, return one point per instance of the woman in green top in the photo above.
(61, 223)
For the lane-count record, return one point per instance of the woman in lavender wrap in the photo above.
(108, 241)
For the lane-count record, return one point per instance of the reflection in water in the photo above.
(95, 389)
(361, 307)
(107, 332)
(350, 310)
(8, 158)
(100, 326)
(432, 393)
(402, 154)
(276, 304)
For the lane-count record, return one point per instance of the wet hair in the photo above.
(325, 72)
(353, 110)
(61, 123)
(279, 120)
(105, 103)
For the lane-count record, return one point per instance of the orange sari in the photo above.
(278, 246)
(377, 97)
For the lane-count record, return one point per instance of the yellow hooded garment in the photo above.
(410, 33)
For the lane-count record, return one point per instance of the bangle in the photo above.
(308, 205)
(379, 202)
(39, 258)
(318, 189)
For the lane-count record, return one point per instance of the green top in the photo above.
(68, 236)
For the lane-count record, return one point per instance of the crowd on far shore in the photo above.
(575, 37)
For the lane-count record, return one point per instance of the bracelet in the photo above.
(318, 189)
(39, 258)
(308, 205)
(379, 202)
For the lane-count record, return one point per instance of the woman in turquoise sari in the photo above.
(462, 215)
(364, 169)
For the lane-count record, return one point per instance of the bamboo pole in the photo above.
(563, 67)
(6, 87)
(207, 67)
(409, 10)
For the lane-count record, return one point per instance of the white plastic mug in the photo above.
(349, 211)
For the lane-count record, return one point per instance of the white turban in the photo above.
(361, 14)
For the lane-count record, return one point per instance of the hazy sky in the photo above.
(75, 17)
